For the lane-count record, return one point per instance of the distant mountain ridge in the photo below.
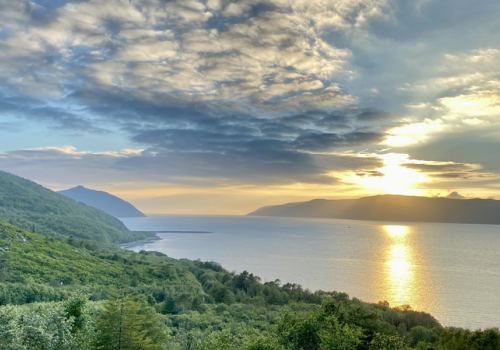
(32, 207)
(104, 201)
(393, 208)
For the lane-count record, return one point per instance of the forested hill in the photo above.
(393, 208)
(34, 267)
(33, 207)
(104, 201)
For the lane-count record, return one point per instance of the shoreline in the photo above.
(155, 238)
(142, 241)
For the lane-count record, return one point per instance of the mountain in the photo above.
(393, 208)
(102, 200)
(36, 208)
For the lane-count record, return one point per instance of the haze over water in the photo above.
(451, 271)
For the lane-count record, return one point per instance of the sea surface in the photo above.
(451, 271)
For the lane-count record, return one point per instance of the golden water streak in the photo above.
(400, 279)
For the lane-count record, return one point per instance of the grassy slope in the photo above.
(32, 258)
(29, 205)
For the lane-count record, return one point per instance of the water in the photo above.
(449, 270)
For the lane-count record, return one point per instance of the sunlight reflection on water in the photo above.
(399, 274)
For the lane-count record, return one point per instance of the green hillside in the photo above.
(34, 267)
(33, 207)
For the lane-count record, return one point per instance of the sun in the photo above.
(396, 179)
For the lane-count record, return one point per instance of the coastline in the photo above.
(142, 241)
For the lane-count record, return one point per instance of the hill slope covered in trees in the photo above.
(104, 201)
(33, 207)
(393, 208)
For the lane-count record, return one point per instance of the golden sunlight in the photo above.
(396, 179)
(396, 230)
(400, 282)
(400, 279)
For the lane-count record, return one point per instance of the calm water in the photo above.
(449, 270)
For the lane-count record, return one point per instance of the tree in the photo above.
(82, 326)
(388, 342)
(5, 266)
(169, 307)
(184, 301)
(221, 294)
(41, 329)
(130, 324)
(339, 337)
(298, 332)
(222, 340)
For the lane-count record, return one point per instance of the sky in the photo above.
(221, 107)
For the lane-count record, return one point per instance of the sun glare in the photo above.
(400, 281)
(395, 179)
(396, 230)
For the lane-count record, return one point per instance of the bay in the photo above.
(451, 271)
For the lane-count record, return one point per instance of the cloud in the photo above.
(253, 91)
(455, 195)
(276, 166)
(451, 171)
(371, 173)
(56, 118)
(441, 167)
(329, 141)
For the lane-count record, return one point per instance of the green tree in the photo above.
(298, 332)
(5, 266)
(169, 306)
(222, 340)
(82, 325)
(39, 329)
(130, 324)
(184, 301)
(388, 342)
(335, 336)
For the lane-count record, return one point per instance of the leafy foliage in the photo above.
(128, 324)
